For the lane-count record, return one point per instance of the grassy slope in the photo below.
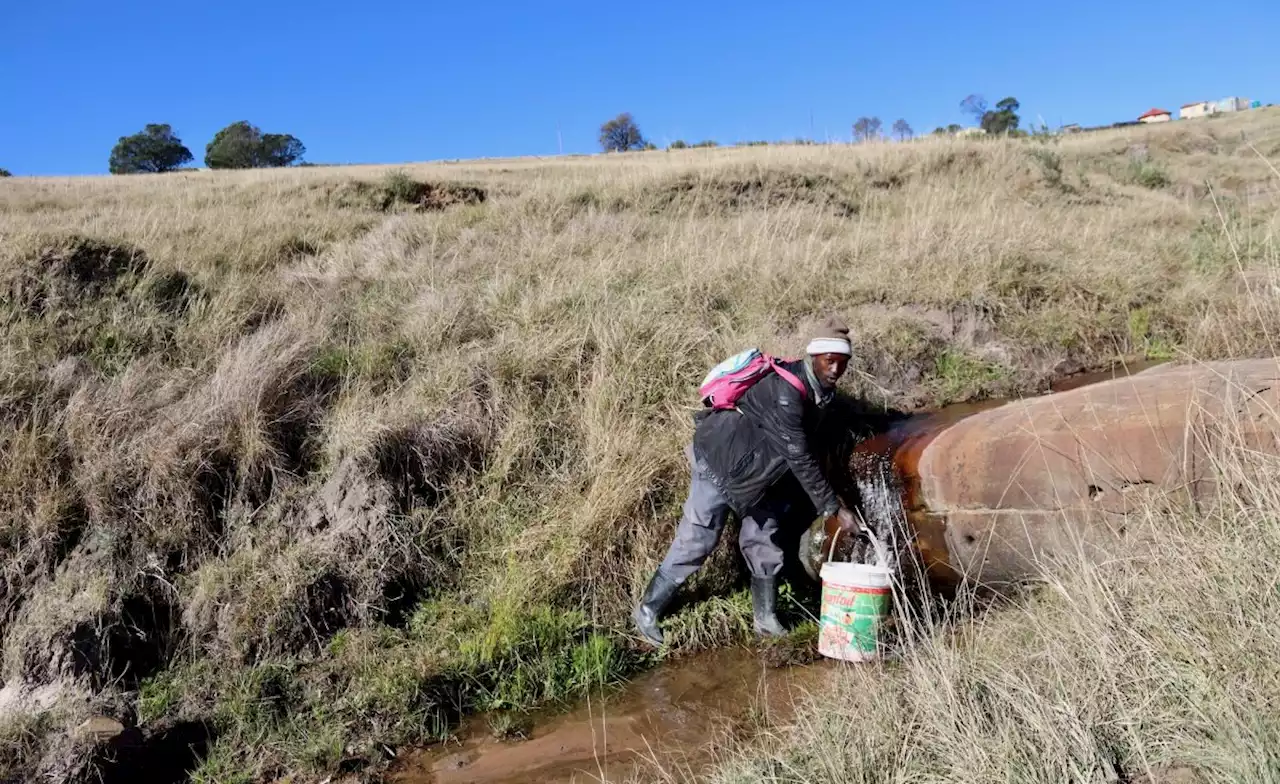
(322, 468)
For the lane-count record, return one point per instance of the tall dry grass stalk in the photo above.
(306, 426)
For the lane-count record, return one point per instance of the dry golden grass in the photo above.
(276, 447)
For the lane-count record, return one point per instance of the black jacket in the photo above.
(750, 448)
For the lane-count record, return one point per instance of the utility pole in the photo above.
(559, 139)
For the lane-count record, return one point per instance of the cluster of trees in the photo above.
(243, 146)
(1003, 119)
(238, 146)
(868, 128)
(622, 133)
(5, 173)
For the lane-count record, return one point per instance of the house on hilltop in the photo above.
(1231, 105)
(1197, 109)
(1155, 116)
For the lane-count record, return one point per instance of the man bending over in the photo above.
(737, 457)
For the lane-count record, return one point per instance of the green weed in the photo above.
(377, 362)
(523, 658)
(158, 696)
(959, 376)
(224, 765)
(720, 620)
(1142, 338)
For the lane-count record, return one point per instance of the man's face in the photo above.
(829, 368)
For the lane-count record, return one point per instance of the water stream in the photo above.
(673, 717)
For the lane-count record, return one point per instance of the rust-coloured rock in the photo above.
(989, 495)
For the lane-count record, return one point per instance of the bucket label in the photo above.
(851, 618)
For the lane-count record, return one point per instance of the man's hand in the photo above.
(849, 522)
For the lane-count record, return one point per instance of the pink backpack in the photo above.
(727, 381)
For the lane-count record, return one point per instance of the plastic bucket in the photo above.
(855, 602)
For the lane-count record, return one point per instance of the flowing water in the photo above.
(672, 717)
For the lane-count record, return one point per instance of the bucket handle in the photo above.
(832, 550)
(882, 557)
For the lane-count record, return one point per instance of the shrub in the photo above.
(1148, 174)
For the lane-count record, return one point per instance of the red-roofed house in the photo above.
(1155, 116)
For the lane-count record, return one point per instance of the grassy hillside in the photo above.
(320, 458)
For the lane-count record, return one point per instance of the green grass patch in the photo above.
(381, 363)
(719, 620)
(1152, 343)
(959, 376)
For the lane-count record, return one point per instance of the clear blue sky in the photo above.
(414, 81)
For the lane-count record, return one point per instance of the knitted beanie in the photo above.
(831, 337)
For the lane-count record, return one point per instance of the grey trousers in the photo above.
(705, 512)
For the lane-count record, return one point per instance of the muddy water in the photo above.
(672, 716)
(1120, 370)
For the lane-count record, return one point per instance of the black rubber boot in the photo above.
(656, 598)
(764, 604)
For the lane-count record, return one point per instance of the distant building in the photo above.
(1071, 128)
(1197, 109)
(1155, 116)
(1231, 105)
(963, 132)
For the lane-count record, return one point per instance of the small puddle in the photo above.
(671, 715)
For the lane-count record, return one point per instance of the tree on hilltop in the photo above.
(974, 105)
(866, 128)
(1005, 117)
(155, 149)
(621, 134)
(243, 146)
(1002, 119)
(902, 130)
(5, 173)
